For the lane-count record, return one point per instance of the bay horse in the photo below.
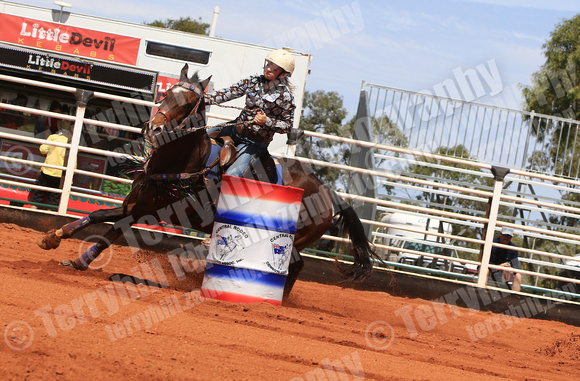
(173, 187)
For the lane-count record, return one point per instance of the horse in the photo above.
(173, 187)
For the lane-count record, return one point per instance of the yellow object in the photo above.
(54, 155)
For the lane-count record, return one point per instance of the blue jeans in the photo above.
(248, 150)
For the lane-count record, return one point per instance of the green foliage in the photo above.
(555, 91)
(184, 24)
(572, 198)
(323, 112)
(548, 246)
(384, 132)
(116, 188)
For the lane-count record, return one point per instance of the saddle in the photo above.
(227, 152)
(224, 151)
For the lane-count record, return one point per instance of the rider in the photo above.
(269, 109)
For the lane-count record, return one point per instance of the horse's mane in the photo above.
(194, 78)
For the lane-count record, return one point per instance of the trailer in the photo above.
(116, 57)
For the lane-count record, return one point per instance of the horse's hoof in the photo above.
(49, 241)
(67, 263)
(71, 264)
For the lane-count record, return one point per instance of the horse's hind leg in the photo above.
(296, 265)
(51, 240)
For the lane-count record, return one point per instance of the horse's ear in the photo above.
(205, 82)
(183, 77)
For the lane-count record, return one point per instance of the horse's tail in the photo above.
(362, 251)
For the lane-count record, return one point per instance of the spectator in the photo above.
(50, 177)
(506, 258)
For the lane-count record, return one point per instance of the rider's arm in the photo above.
(235, 91)
(284, 122)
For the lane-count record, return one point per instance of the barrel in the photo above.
(252, 241)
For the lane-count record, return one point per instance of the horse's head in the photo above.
(181, 101)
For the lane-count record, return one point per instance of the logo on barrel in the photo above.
(227, 243)
(281, 250)
(225, 247)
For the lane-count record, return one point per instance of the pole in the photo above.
(499, 174)
(83, 97)
(216, 12)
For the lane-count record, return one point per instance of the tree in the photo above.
(555, 91)
(384, 132)
(450, 174)
(184, 24)
(323, 112)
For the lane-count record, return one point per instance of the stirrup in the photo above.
(228, 152)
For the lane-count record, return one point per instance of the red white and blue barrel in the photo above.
(252, 241)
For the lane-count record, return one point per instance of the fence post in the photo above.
(499, 174)
(83, 97)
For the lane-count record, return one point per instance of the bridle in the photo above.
(188, 86)
(182, 176)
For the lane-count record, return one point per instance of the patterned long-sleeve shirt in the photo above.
(277, 103)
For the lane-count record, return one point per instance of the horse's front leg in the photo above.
(83, 262)
(51, 240)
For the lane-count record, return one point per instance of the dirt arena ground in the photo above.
(60, 324)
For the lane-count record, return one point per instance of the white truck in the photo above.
(415, 232)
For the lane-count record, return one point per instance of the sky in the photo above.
(409, 45)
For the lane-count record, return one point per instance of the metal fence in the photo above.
(547, 247)
(492, 135)
(529, 202)
(463, 194)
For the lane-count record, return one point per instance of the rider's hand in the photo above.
(260, 118)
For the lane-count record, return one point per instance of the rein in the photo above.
(183, 175)
(233, 123)
(179, 176)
